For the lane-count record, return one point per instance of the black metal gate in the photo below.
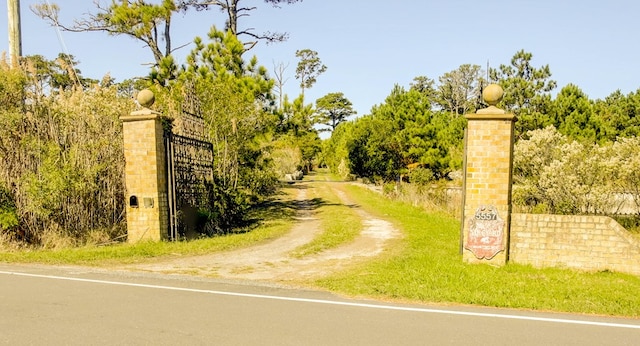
(189, 170)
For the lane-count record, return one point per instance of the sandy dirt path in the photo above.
(272, 261)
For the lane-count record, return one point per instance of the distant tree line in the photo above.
(573, 154)
(423, 126)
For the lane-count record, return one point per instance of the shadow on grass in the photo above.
(277, 208)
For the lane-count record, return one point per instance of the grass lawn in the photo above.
(426, 266)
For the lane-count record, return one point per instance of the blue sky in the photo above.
(371, 45)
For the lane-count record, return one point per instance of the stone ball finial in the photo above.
(492, 94)
(146, 98)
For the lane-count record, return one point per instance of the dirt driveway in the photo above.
(272, 261)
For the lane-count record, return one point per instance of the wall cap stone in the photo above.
(491, 114)
(144, 114)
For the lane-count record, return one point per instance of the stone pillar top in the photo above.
(492, 95)
(145, 98)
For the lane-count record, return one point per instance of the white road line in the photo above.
(331, 302)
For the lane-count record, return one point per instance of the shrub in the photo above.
(8, 215)
(553, 174)
(421, 176)
(61, 161)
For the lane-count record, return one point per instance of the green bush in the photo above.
(421, 176)
(227, 208)
(554, 174)
(8, 216)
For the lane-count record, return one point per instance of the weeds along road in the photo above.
(73, 306)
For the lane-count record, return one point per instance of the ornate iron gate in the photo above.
(189, 168)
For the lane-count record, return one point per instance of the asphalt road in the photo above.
(42, 305)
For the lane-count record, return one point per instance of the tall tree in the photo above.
(620, 114)
(235, 95)
(573, 115)
(222, 59)
(459, 90)
(426, 86)
(371, 151)
(403, 130)
(235, 99)
(419, 134)
(150, 23)
(47, 76)
(333, 109)
(146, 22)
(309, 68)
(234, 11)
(523, 84)
(526, 91)
(280, 81)
(611, 111)
(297, 116)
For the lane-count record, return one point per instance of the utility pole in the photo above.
(15, 35)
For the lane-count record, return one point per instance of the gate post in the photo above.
(488, 165)
(145, 172)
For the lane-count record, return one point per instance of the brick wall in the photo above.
(582, 242)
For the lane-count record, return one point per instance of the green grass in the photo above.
(339, 223)
(277, 219)
(145, 251)
(423, 266)
(427, 267)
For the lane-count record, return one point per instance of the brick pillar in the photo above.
(487, 186)
(145, 173)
